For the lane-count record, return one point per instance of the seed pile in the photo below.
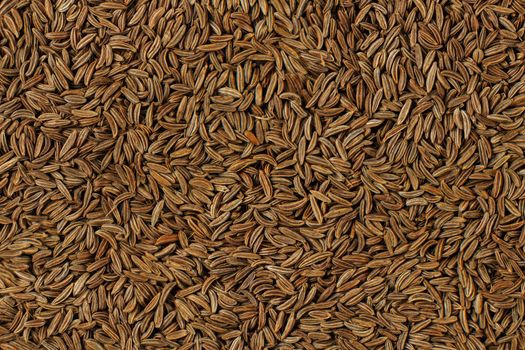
(262, 174)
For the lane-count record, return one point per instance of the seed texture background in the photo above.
(262, 174)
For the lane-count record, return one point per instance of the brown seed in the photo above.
(261, 174)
